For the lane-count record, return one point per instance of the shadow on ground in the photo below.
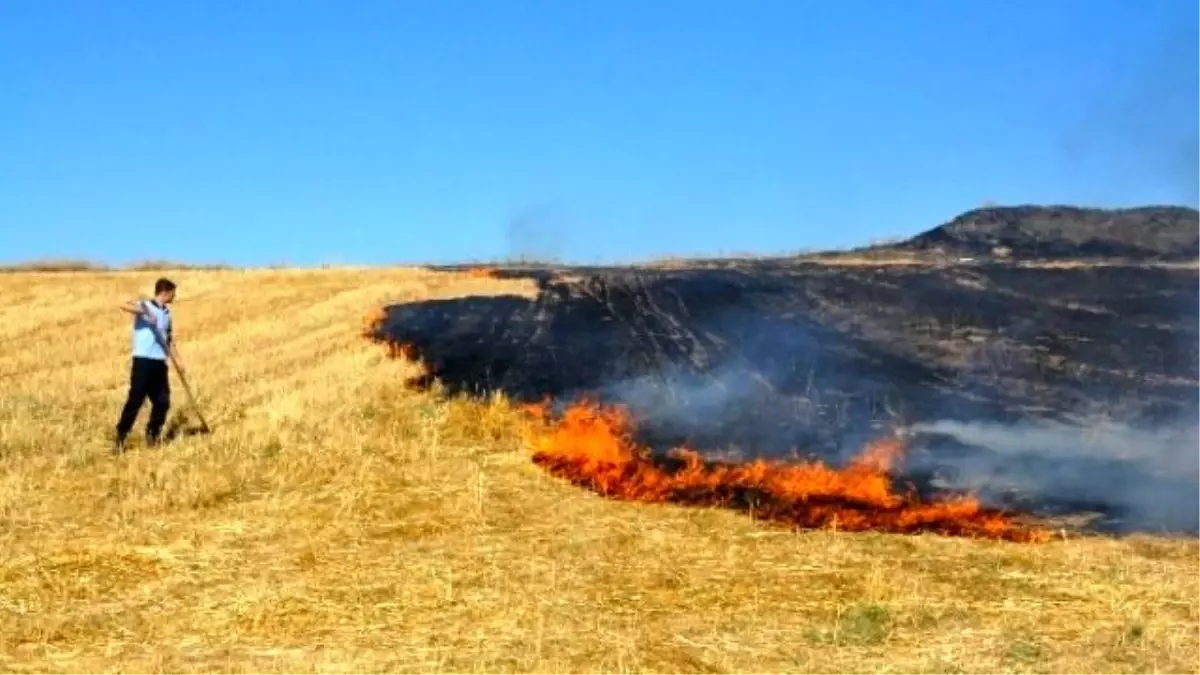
(778, 357)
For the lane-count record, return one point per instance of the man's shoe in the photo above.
(118, 446)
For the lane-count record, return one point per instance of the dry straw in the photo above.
(338, 522)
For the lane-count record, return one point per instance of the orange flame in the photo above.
(593, 447)
(402, 350)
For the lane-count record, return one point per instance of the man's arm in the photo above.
(137, 308)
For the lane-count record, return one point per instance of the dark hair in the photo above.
(163, 286)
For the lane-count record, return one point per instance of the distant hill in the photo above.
(1164, 233)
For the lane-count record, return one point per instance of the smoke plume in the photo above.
(1142, 130)
(536, 234)
(1139, 478)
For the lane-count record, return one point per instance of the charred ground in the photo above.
(775, 357)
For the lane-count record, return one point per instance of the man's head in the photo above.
(164, 291)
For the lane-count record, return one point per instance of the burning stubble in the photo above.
(593, 446)
(720, 364)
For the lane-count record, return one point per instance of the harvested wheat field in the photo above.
(337, 520)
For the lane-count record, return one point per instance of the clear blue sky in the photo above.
(379, 131)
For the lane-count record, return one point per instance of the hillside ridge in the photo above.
(1142, 233)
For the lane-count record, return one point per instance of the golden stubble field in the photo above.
(337, 522)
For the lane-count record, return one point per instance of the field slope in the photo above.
(337, 521)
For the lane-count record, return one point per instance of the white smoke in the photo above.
(1147, 478)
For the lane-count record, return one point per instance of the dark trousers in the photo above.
(147, 379)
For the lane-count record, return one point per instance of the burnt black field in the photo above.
(787, 357)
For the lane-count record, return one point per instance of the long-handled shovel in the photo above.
(204, 428)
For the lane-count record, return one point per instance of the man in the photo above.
(152, 342)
